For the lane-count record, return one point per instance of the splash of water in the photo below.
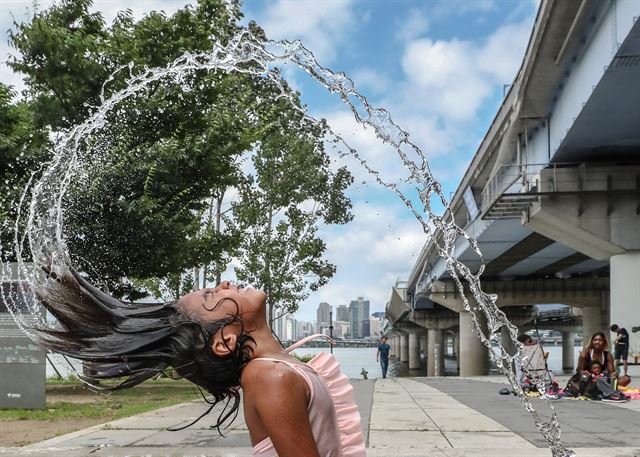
(250, 55)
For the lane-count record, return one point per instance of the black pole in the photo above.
(331, 329)
(52, 365)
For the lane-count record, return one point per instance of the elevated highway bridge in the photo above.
(552, 195)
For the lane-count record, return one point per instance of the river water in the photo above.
(353, 360)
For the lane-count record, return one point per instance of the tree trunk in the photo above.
(267, 267)
(218, 222)
(205, 268)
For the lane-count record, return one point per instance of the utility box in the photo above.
(22, 362)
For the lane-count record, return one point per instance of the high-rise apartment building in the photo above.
(285, 327)
(304, 329)
(374, 326)
(342, 313)
(358, 314)
(323, 317)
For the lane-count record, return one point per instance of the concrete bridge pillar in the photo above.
(414, 351)
(591, 321)
(435, 360)
(404, 347)
(625, 294)
(456, 349)
(567, 351)
(507, 341)
(398, 345)
(424, 344)
(473, 356)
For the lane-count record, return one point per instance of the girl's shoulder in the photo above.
(266, 370)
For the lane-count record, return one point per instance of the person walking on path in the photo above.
(621, 346)
(382, 355)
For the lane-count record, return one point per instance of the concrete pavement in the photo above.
(403, 417)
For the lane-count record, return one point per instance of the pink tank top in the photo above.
(333, 414)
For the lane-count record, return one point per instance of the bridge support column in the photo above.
(435, 360)
(625, 294)
(414, 351)
(507, 341)
(424, 343)
(591, 321)
(456, 349)
(396, 344)
(474, 358)
(404, 348)
(567, 351)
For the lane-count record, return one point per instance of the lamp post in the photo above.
(331, 329)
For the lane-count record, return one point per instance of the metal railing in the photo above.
(546, 178)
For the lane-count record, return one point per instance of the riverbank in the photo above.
(354, 360)
(410, 417)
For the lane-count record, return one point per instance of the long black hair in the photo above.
(132, 343)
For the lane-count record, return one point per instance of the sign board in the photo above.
(22, 362)
(470, 201)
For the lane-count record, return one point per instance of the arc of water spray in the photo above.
(45, 222)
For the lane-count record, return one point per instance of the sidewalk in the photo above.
(444, 417)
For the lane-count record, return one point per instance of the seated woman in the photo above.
(596, 350)
(219, 339)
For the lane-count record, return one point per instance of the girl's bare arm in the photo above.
(279, 397)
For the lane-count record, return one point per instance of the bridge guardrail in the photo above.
(566, 177)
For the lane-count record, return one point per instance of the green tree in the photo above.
(169, 155)
(22, 147)
(292, 194)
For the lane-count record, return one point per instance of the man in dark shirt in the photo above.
(621, 345)
(383, 355)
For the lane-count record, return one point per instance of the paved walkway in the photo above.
(443, 417)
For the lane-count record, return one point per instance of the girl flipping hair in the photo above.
(219, 339)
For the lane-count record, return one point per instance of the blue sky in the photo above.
(438, 66)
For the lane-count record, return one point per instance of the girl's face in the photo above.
(596, 369)
(223, 301)
(597, 342)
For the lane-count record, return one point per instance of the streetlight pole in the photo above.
(331, 329)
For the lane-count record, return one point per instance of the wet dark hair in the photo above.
(524, 338)
(136, 342)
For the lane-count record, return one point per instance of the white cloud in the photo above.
(378, 155)
(320, 25)
(456, 77)
(367, 79)
(371, 253)
(414, 25)
(501, 55)
(457, 7)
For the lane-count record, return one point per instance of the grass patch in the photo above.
(72, 380)
(303, 358)
(113, 406)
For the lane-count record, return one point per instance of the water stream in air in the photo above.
(43, 199)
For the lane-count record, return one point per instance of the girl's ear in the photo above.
(224, 342)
